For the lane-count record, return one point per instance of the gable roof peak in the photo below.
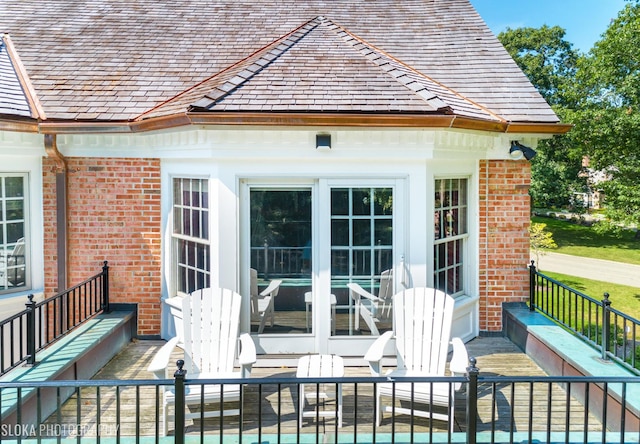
(282, 67)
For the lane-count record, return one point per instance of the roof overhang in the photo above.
(51, 126)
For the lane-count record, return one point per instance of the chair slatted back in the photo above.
(253, 291)
(211, 319)
(423, 318)
(386, 294)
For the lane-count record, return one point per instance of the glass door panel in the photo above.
(280, 237)
(361, 252)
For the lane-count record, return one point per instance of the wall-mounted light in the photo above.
(518, 150)
(323, 141)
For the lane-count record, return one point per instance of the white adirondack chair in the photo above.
(263, 306)
(211, 320)
(373, 309)
(263, 303)
(422, 329)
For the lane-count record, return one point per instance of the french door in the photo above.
(315, 238)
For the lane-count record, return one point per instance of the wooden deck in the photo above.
(276, 407)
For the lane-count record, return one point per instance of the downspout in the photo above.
(51, 148)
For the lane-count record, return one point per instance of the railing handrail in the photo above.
(473, 382)
(603, 336)
(624, 315)
(29, 330)
(566, 287)
(274, 380)
(70, 289)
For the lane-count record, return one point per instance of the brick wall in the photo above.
(114, 215)
(504, 238)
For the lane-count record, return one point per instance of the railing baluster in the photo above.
(537, 419)
(606, 323)
(587, 317)
(40, 324)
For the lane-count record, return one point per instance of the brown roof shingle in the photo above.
(128, 59)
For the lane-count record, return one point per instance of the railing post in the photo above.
(105, 288)
(179, 376)
(31, 331)
(472, 401)
(532, 286)
(266, 259)
(606, 326)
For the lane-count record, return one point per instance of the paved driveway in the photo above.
(596, 269)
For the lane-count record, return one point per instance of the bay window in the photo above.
(191, 244)
(13, 226)
(451, 234)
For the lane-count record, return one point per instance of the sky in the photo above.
(583, 20)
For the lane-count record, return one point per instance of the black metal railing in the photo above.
(615, 334)
(24, 334)
(488, 409)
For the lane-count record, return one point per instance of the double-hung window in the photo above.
(191, 244)
(13, 232)
(451, 234)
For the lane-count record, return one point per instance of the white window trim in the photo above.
(175, 237)
(466, 237)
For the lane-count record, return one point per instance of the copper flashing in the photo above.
(542, 128)
(283, 119)
(51, 148)
(19, 125)
(37, 111)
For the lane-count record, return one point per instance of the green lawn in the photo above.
(623, 298)
(579, 240)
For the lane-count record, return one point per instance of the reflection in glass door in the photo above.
(362, 253)
(280, 238)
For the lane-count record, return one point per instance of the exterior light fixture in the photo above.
(323, 142)
(518, 150)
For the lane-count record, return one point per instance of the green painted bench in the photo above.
(78, 355)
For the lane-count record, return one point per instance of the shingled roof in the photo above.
(13, 98)
(133, 61)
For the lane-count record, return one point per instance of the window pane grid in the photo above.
(191, 211)
(191, 234)
(450, 230)
(361, 225)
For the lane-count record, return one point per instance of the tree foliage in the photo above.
(547, 59)
(598, 92)
(540, 240)
(608, 125)
(551, 64)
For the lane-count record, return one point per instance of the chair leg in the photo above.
(452, 410)
(301, 402)
(165, 419)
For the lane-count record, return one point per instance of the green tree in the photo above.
(550, 63)
(546, 58)
(541, 240)
(608, 125)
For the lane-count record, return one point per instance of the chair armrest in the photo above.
(247, 356)
(376, 352)
(460, 359)
(356, 288)
(272, 287)
(160, 362)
